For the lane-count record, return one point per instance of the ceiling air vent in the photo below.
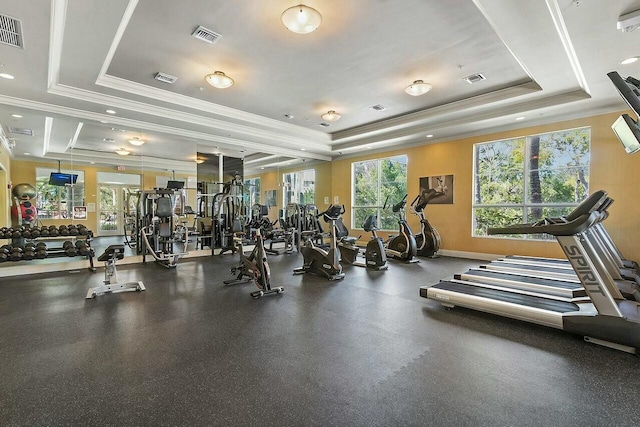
(21, 131)
(165, 78)
(11, 31)
(206, 35)
(474, 78)
(324, 124)
(378, 107)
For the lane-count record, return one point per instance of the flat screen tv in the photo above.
(175, 185)
(61, 179)
(627, 131)
(629, 90)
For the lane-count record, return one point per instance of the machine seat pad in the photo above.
(350, 239)
(113, 251)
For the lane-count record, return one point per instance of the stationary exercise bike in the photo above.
(403, 246)
(317, 260)
(428, 240)
(253, 267)
(374, 255)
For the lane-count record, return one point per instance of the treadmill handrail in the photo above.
(588, 205)
(568, 228)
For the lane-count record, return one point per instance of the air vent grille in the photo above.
(324, 124)
(474, 78)
(21, 131)
(206, 35)
(165, 78)
(11, 31)
(378, 107)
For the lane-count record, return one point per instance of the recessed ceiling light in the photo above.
(303, 149)
(629, 60)
(110, 111)
(93, 163)
(103, 121)
(109, 140)
(368, 147)
(429, 136)
(261, 168)
(289, 116)
(520, 118)
(27, 154)
(119, 130)
(17, 116)
(7, 76)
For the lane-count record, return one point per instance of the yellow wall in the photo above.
(25, 171)
(5, 192)
(611, 170)
(270, 181)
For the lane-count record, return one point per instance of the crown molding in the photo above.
(225, 142)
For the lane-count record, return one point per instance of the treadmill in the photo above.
(604, 318)
(557, 269)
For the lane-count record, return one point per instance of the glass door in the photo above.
(116, 206)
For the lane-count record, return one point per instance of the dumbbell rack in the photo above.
(53, 252)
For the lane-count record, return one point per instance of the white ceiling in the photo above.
(545, 60)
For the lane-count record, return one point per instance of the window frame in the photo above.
(525, 206)
(379, 207)
(43, 173)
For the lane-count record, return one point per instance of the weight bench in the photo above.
(109, 257)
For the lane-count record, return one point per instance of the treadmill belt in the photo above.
(547, 260)
(524, 279)
(505, 296)
(534, 268)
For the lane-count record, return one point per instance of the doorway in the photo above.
(118, 204)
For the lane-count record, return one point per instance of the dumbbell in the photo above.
(73, 231)
(83, 230)
(44, 232)
(35, 233)
(16, 253)
(41, 253)
(28, 254)
(69, 248)
(63, 230)
(30, 245)
(83, 248)
(16, 234)
(4, 252)
(41, 245)
(53, 232)
(26, 233)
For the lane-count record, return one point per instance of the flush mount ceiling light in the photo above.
(110, 111)
(331, 116)
(629, 60)
(219, 79)
(7, 76)
(136, 141)
(16, 116)
(199, 161)
(418, 88)
(301, 19)
(123, 152)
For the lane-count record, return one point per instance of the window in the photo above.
(299, 187)
(529, 178)
(57, 202)
(251, 191)
(374, 183)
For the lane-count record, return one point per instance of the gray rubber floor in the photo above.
(366, 351)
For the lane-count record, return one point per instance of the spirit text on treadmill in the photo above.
(583, 269)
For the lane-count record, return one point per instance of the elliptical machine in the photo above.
(374, 255)
(317, 260)
(403, 246)
(253, 267)
(428, 240)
